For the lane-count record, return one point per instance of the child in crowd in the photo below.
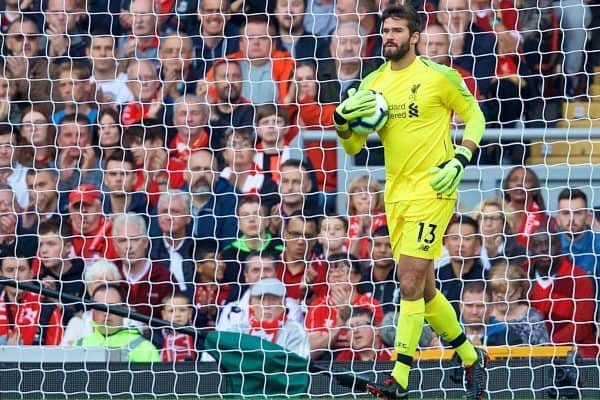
(272, 127)
(174, 345)
(333, 236)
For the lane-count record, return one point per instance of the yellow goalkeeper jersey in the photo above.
(421, 100)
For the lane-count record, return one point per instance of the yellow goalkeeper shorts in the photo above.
(417, 227)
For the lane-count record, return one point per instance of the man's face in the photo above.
(52, 250)
(332, 235)
(211, 268)
(239, 153)
(189, 118)
(347, 45)
(8, 212)
(251, 220)
(201, 172)
(143, 81)
(363, 334)
(85, 217)
(270, 129)
(543, 247)
(256, 42)
(61, 15)
(72, 138)
(107, 323)
(119, 176)
(131, 244)
(397, 39)
(382, 251)
(23, 39)
(462, 241)
(294, 184)
(6, 150)
(15, 268)
(290, 14)
(434, 45)
(257, 268)
(346, 10)
(144, 18)
(573, 215)
(177, 310)
(176, 52)
(454, 14)
(213, 15)
(42, 187)
(102, 52)
(173, 218)
(267, 307)
(491, 221)
(228, 82)
(300, 239)
(472, 307)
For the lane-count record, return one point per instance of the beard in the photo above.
(396, 53)
(201, 188)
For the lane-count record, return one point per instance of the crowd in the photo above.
(145, 162)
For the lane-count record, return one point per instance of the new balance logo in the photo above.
(424, 247)
(413, 110)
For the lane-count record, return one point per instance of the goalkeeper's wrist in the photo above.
(341, 124)
(463, 155)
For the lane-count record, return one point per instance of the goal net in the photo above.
(179, 217)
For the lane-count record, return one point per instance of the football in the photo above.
(375, 122)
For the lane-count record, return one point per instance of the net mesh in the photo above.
(178, 159)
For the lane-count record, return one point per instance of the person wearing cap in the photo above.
(268, 318)
(92, 231)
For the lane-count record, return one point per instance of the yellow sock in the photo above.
(408, 332)
(441, 316)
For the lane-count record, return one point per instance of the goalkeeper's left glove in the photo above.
(448, 175)
(361, 103)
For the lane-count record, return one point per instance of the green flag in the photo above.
(254, 366)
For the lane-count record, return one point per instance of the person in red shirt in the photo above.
(174, 345)
(563, 293)
(210, 293)
(300, 269)
(365, 342)
(26, 318)
(91, 230)
(143, 82)
(328, 315)
(146, 282)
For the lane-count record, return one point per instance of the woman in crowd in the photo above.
(110, 132)
(36, 138)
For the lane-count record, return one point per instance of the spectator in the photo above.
(14, 238)
(12, 172)
(314, 113)
(273, 130)
(576, 237)
(218, 37)
(498, 241)
(562, 293)
(252, 221)
(190, 117)
(300, 270)
(36, 138)
(119, 177)
(241, 170)
(211, 291)
(291, 34)
(365, 342)
(101, 272)
(176, 346)
(147, 144)
(333, 236)
(268, 319)
(75, 91)
(380, 278)
(143, 42)
(63, 32)
(25, 67)
(43, 198)
(76, 161)
(229, 108)
(212, 218)
(143, 82)
(26, 318)
(470, 46)
(320, 17)
(328, 315)
(110, 331)
(14, 9)
(176, 55)
(7, 113)
(463, 242)
(146, 282)
(474, 316)
(60, 271)
(91, 229)
(111, 85)
(174, 246)
(366, 214)
(508, 288)
(259, 60)
(365, 12)
(347, 64)
(110, 133)
(525, 205)
(257, 266)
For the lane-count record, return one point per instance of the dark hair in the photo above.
(269, 109)
(473, 287)
(74, 118)
(464, 220)
(205, 247)
(111, 112)
(537, 194)
(572, 194)
(340, 217)
(349, 259)
(121, 155)
(360, 311)
(55, 225)
(381, 231)
(406, 12)
(252, 200)
(225, 62)
(108, 286)
(306, 219)
(265, 255)
(9, 129)
(177, 294)
(144, 132)
(258, 19)
(304, 165)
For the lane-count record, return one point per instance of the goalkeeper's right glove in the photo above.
(360, 103)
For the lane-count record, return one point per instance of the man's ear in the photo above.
(589, 218)
(415, 37)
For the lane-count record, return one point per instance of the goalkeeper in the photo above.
(423, 170)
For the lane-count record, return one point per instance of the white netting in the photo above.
(179, 159)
